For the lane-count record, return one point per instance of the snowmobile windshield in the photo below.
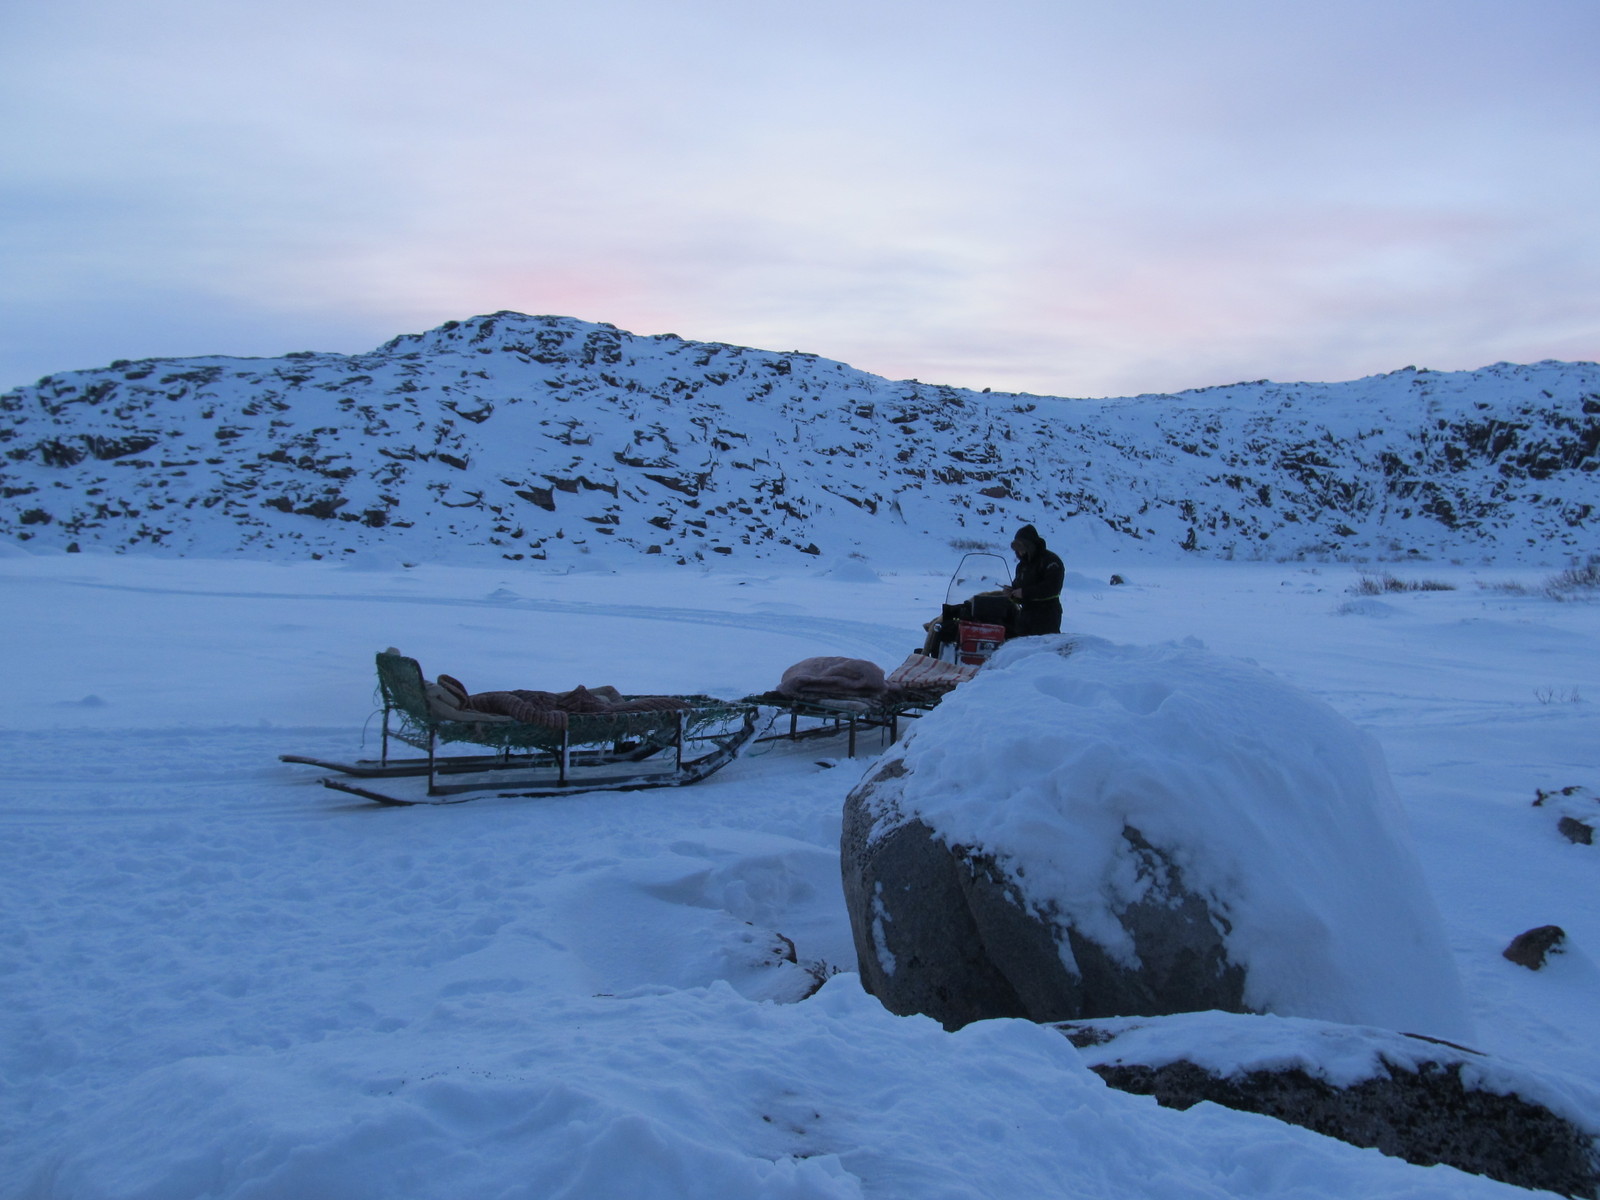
(977, 573)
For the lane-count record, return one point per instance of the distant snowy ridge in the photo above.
(549, 438)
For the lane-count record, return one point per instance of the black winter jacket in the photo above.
(1039, 578)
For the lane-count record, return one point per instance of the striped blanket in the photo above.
(921, 673)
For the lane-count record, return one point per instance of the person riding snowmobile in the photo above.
(1037, 585)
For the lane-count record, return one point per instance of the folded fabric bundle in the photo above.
(833, 676)
(552, 709)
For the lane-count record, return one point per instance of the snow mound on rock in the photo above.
(851, 570)
(1277, 810)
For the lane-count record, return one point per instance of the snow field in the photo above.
(223, 980)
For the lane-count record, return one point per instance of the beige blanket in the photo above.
(854, 677)
(552, 709)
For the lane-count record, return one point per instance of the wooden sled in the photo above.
(618, 751)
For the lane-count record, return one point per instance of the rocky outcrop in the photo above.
(538, 437)
(1413, 1098)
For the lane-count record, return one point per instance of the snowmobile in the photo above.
(977, 617)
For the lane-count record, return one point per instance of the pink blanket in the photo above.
(833, 677)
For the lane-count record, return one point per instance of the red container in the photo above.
(978, 641)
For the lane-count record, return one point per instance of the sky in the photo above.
(1051, 196)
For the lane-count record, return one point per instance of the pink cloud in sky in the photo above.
(1045, 195)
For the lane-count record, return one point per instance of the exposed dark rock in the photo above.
(1428, 1106)
(543, 497)
(943, 931)
(1542, 797)
(1530, 949)
(1577, 808)
(1576, 831)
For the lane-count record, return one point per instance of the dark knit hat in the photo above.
(1028, 534)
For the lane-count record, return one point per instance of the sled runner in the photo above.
(621, 743)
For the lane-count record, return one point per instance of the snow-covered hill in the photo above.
(550, 438)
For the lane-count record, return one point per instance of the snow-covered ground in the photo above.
(223, 980)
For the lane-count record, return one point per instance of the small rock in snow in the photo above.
(1530, 949)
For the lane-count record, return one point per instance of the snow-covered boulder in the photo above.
(1414, 1098)
(1576, 809)
(1091, 830)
